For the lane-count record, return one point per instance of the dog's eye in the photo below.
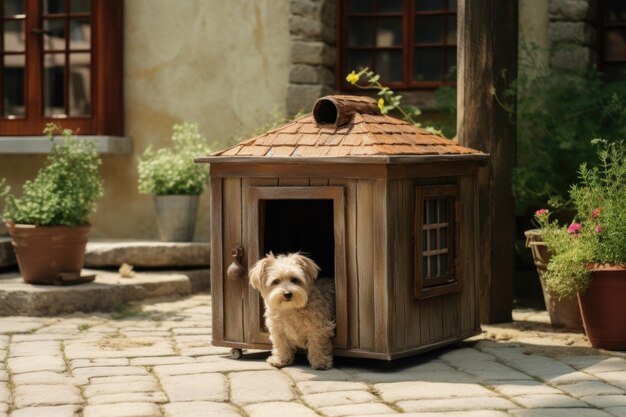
(295, 280)
(275, 282)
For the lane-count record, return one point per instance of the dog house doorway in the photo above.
(306, 219)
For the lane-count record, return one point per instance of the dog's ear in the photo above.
(257, 272)
(309, 266)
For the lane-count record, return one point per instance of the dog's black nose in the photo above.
(288, 295)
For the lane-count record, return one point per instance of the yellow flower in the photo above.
(353, 77)
(381, 103)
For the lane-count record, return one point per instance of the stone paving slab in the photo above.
(156, 361)
(153, 254)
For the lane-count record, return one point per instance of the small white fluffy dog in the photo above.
(299, 311)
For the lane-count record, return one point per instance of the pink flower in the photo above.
(541, 212)
(596, 212)
(599, 229)
(574, 228)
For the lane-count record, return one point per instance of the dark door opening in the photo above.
(300, 225)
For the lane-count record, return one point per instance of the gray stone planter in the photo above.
(176, 217)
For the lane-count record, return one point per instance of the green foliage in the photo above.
(388, 100)
(172, 170)
(65, 191)
(557, 112)
(598, 235)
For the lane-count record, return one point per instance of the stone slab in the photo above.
(7, 255)
(20, 299)
(151, 254)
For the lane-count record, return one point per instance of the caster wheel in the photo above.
(236, 353)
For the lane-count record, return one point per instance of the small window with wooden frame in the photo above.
(612, 39)
(436, 241)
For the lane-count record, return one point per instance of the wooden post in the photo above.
(487, 63)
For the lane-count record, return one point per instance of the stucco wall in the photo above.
(224, 65)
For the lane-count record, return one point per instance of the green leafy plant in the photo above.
(557, 111)
(388, 100)
(598, 234)
(64, 192)
(172, 170)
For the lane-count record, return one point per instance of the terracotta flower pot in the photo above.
(563, 311)
(603, 307)
(49, 254)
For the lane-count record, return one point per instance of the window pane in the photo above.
(390, 6)
(424, 240)
(14, 35)
(427, 65)
(360, 6)
(54, 6)
(425, 266)
(451, 35)
(54, 39)
(358, 60)
(13, 86)
(615, 40)
(443, 264)
(452, 4)
(443, 211)
(429, 29)
(432, 266)
(389, 31)
(432, 211)
(80, 6)
(13, 7)
(54, 84)
(79, 83)
(80, 34)
(450, 74)
(432, 239)
(389, 65)
(360, 31)
(615, 11)
(429, 5)
(443, 238)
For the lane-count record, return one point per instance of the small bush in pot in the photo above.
(171, 175)
(59, 201)
(589, 255)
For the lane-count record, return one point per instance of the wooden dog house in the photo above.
(387, 209)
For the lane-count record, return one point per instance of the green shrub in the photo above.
(598, 234)
(172, 170)
(65, 191)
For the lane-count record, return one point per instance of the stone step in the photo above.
(147, 254)
(7, 255)
(108, 290)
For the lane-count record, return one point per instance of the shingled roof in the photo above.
(345, 126)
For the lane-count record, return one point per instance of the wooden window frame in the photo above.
(601, 27)
(106, 85)
(408, 46)
(451, 282)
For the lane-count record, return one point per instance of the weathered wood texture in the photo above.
(487, 61)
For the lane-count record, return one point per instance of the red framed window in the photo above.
(410, 43)
(612, 39)
(61, 60)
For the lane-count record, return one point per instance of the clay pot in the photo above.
(563, 311)
(603, 307)
(49, 254)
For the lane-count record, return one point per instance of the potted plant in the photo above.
(589, 255)
(175, 181)
(49, 223)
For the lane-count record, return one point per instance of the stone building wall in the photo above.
(572, 33)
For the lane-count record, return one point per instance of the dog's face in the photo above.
(284, 280)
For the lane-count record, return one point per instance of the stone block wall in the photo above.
(572, 33)
(312, 27)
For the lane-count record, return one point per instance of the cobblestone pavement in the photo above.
(157, 361)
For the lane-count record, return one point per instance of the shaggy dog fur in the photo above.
(299, 311)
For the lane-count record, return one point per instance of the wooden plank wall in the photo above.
(416, 323)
